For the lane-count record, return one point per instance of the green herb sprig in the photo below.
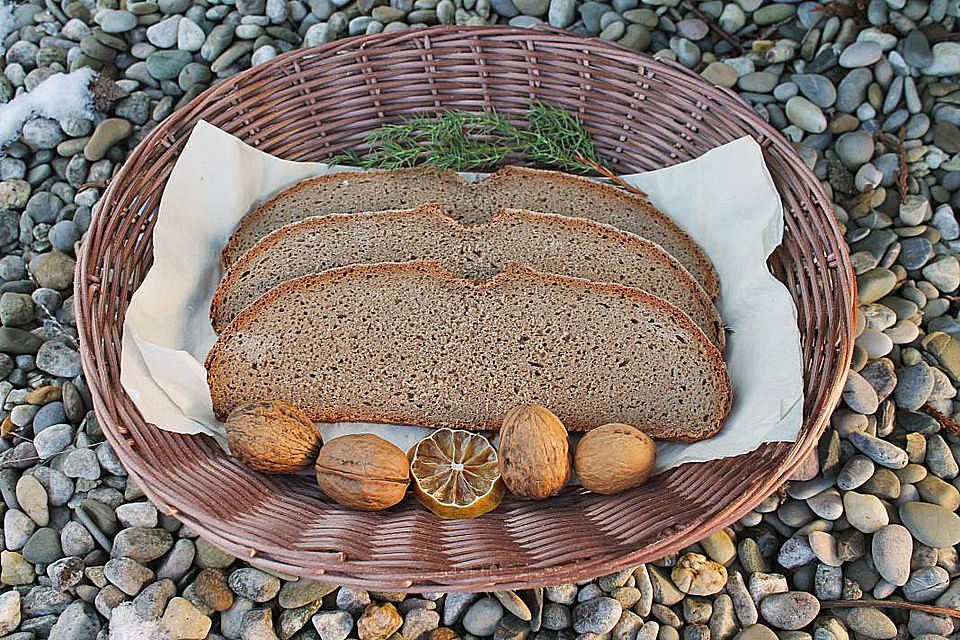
(464, 141)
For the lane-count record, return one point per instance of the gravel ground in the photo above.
(869, 94)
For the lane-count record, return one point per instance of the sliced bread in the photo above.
(548, 243)
(511, 187)
(412, 343)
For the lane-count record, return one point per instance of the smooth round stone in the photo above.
(827, 504)
(164, 33)
(860, 54)
(880, 451)
(774, 12)
(931, 524)
(944, 219)
(855, 148)
(758, 81)
(333, 625)
(852, 90)
(935, 490)
(865, 513)
(113, 21)
(190, 37)
(107, 134)
(43, 546)
(874, 284)
(790, 611)
(916, 49)
(483, 616)
(891, 548)
(946, 60)
(532, 7)
(926, 584)
(254, 584)
(914, 210)
(795, 552)
(693, 29)
(824, 546)
(806, 115)
(859, 395)
(687, 53)
(720, 74)
(872, 623)
(53, 440)
(756, 632)
(940, 459)
(597, 615)
(944, 274)
(784, 91)
(165, 65)
(857, 470)
(914, 386)
(915, 252)
(876, 343)
(817, 88)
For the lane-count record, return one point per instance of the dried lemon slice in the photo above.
(456, 474)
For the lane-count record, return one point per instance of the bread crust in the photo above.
(705, 273)
(439, 214)
(515, 271)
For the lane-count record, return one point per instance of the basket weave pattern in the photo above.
(308, 105)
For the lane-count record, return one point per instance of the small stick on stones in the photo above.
(890, 604)
(714, 26)
(902, 172)
(945, 421)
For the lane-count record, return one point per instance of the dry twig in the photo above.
(902, 171)
(890, 604)
(945, 421)
(714, 26)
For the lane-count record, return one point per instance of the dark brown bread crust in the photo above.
(514, 272)
(320, 223)
(695, 259)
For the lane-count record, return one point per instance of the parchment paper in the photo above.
(725, 200)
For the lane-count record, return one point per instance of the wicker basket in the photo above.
(306, 105)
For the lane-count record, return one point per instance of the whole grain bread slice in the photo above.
(510, 187)
(412, 343)
(548, 243)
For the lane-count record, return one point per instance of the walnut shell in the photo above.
(614, 457)
(534, 452)
(363, 471)
(272, 437)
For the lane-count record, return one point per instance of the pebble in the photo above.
(32, 498)
(805, 114)
(931, 524)
(892, 547)
(860, 54)
(483, 616)
(254, 584)
(864, 512)
(791, 610)
(333, 625)
(185, 620)
(871, 622)
(597, 615)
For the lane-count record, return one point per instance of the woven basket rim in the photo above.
(100, 344)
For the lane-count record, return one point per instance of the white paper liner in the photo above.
(724, 199)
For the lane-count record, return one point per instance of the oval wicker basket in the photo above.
(307, 105)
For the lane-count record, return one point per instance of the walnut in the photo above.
(614, 457)
(272, 437)
(534, 452)
(363, 471)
